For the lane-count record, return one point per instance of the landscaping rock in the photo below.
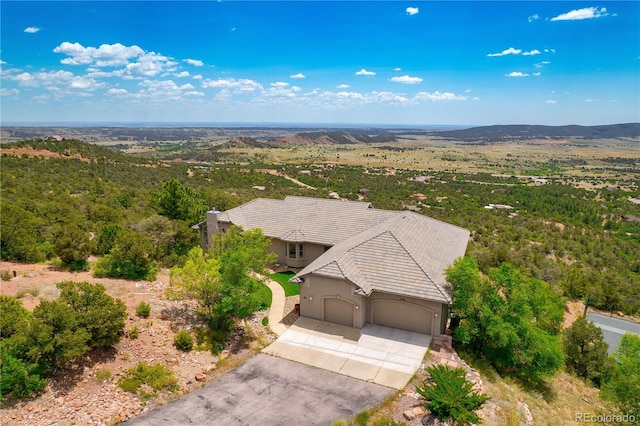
(409, 415)
(201, 377)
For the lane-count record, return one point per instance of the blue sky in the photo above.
(397, 62)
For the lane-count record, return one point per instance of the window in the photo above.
(296, 251)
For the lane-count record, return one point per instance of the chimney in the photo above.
(212, 225)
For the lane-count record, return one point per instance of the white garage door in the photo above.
(338, 311)
(398, 314)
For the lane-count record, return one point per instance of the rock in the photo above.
(418, 411)
(620, 313)
(201, 377)
(409, 415)
(224, 354)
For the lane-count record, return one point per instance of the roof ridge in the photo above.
(437, 285)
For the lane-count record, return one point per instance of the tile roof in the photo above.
(398, 252)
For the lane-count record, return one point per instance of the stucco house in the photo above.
(357, 264)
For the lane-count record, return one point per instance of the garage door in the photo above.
(397, 314)
(338, 311)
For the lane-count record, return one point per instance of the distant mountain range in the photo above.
(526, 132)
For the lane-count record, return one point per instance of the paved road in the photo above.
(613, 329)
(270, 391)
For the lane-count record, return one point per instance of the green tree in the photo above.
(451, 395)
(223, 280)
(624, 386)
(53, 337)
(511, 320)
(587, 352)
(18, 378)
(179, 202)
(106, 238)
(72, 246)
(13, 316)
(100, 314)
(130, 258)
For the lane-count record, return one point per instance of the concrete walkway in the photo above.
(378, 354)
(276, 311)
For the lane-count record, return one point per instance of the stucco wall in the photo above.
(316, 288)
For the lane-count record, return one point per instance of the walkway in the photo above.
(276, 311)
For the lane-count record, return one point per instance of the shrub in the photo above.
(183, 341)
(133, 332)
(143, 309)
(362, 418)
(265, 321)
(5, 275)
(101, 315)
(451, 395)
(587, 351)
(156, 376)
(386, 421)
(13, 316)
(32, 291)
(19, 378)
(102, 375)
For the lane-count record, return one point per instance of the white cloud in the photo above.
(580, 14)
(32, 30)
(541, 64)
(475, 98)
(548, 50)
(238, 86)
(438, 97)
(412, 11)
(117, 92)
(406, 79)
(533, 17)
(279, 84)
(536, 74)
(467, 91)
(148, 65)
(2, 62)
(509, 51)
(592, 100)
(299, 75)
(531, 52)
(551, 102)
(9, 92)
(55, 80)
(397, 69)
(194, 62)
(165, 90)
(183, 74)
(107, 55)
(342, 86)
(197, 77)
(365, 72)
(516, 74)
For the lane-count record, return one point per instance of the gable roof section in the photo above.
(406, 255)
(305, 219)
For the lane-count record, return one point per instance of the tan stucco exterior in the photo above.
(316, 289)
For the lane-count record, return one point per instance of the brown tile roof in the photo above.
(397, 252)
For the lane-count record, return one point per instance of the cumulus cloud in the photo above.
(197, 77)
(548, 50)
(55, 80)
(237, 85)
(165, 90)
(342, 86)
(397, 69)
(533, 17)
(183, 74)
(298, 75)
(148, 65)
(551, 102)
(438, 96)
(406, 79)
(509, 51)
(117, 92)
(536, 74)
(32, 30)
(532, 52)
(541, 64)
(580, 14)
(516, 74)
(279, 84)
(194, 62)
(365, 72)
(9, 92)
(412, 11)
(107, 55)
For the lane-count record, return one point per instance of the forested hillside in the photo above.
(584, 243)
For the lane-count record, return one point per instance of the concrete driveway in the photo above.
(270, 391)
(384, 355)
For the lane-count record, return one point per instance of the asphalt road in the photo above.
(270, 391)
(613, 329)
